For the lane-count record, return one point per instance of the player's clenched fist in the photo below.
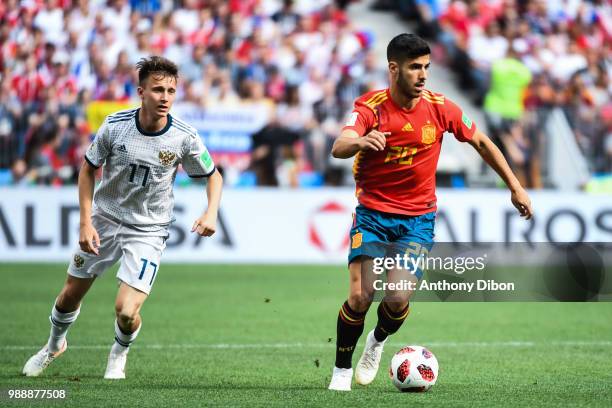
(205, 226)
(89, 241)
(374, 140)
(521, 201)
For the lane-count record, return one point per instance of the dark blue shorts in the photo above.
(376, 234)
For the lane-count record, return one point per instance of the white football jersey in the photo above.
(140, 168)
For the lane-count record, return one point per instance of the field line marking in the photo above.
(432, 344)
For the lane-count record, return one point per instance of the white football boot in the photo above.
(39, 361)
(115, 369)
(341, 379)
(367, 367)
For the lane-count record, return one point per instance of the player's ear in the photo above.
(140, 91)
(393, 67)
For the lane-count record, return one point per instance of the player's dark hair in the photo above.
(406, 46)
(155, 65)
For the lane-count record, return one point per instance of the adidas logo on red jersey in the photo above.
(407, 127)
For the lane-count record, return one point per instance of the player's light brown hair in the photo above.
(155, 65)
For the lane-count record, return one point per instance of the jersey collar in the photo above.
(159, 133)
(399, 107)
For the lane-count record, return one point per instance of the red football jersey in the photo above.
(401, 179)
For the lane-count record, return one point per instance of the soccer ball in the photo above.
(414, 369)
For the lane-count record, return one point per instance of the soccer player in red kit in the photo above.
(396, 135)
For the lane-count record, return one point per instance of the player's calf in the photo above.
(391, 316)
(127, 326)
(349, 328)
(65, 310)
(60, 323)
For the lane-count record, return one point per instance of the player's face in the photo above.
(157, 94)
(411, 75)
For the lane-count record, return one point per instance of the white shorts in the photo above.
(140, 254)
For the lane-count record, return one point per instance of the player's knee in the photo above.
(397, 306)
(360, 301)
(126, 315)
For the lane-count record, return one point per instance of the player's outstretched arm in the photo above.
(89, 241)
(206, 225)
(494, 158)
(349, 143)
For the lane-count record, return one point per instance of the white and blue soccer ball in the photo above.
(414, 369)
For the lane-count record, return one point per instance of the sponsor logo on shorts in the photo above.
(78, 261)
(356, 240)
(166, 157)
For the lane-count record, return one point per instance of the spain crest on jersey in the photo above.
(428, 134)
(166, 157)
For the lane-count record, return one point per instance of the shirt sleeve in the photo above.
(362, 119)
(458, 123)
(197, 162)
(100, 148)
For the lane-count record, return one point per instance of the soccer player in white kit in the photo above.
(140, 150)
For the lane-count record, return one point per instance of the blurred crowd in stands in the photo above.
(302, 59)
(522, 58)
(306, 62)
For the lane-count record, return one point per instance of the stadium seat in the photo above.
(247, 179)
(310, 179)
(6, 178)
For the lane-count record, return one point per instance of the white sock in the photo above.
(60, 323)
(122, 340)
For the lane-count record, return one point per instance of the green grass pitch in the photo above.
(242, 335)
